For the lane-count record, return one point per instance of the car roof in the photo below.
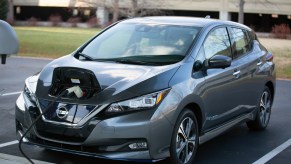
(184, 21)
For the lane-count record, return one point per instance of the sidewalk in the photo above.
(10, 159)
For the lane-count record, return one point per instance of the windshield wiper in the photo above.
(126, 61)
(116, 60)
(85, 56)
(92, 59)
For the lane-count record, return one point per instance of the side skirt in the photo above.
(221, 129)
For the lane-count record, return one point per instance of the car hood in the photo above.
(117, 81)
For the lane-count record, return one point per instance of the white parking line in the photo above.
(11, 93)
(273, 153)
(8, 143)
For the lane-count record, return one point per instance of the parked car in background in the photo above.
(151, 88)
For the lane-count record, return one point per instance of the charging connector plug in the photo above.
(77, 90)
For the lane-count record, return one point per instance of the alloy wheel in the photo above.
(265, 108)
(186, 140)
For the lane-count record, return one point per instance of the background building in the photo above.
(261, 15)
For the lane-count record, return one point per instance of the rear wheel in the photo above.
(184, 139)
(264, 113)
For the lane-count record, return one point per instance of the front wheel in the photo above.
(184, 139)
(264, 113)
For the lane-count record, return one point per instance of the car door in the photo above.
(221, 85)
(246, 62)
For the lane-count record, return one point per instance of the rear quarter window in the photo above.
(252, 35)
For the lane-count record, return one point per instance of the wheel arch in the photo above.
(192, 102)
(195, 108)
(270, 85)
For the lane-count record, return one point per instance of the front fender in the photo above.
(182, 101)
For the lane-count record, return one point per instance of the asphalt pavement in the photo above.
(238, 145)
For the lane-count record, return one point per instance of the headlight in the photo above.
(139, 103)
(29, 87)
(29, 94)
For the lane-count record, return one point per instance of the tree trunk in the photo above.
(134, 9)
(241, 11)
(10, 15)
(115, 6)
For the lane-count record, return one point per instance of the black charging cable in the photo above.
(78, 93)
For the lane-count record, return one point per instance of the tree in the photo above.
(241, 8)
(138, 8)
(241, 11)
(129, 8)
(134, 8)
(10, 15)
(115, 8)
(3, 9)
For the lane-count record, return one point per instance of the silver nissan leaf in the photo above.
(152, 88)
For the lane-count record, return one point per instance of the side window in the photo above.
(252, 35)
(217, 43)
(241, 44)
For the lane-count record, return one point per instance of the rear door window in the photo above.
(241, 44)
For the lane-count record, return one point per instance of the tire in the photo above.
(183, 139)
(264, 111)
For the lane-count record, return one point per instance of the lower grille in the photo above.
(61, 137)
(87, 149)
(120, 146)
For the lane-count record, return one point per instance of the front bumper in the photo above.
(107, 138)
(139, 156)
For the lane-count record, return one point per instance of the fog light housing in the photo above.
(138, 145)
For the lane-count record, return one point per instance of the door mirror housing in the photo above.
(8, 41)
(219, 61)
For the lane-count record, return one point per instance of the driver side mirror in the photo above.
(218, 61)
(8, 41)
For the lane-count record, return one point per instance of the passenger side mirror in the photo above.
(8, 41)
(219, 61)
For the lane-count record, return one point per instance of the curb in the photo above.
(27, 57)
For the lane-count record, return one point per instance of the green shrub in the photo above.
(281, 31)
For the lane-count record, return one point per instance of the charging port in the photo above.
(67, 77)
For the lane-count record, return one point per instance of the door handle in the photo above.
(236, 74)
(259, 63)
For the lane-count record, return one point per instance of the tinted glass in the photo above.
(241, 44)
(252, 35)
(153, 43)
(217, 43)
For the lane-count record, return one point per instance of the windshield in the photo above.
(146, 44)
